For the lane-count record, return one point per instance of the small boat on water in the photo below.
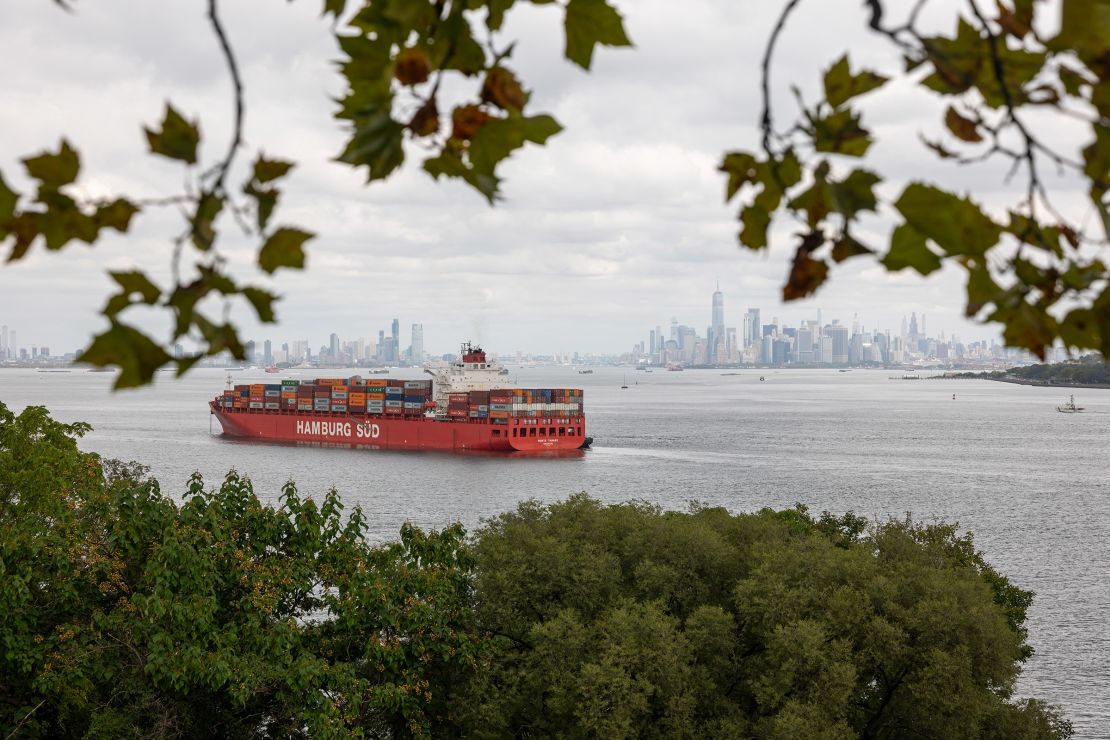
(585, 372)
(1069, 407)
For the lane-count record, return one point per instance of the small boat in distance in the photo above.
(585, 372)
(625, 383)
(272, 370)
(1069, 407)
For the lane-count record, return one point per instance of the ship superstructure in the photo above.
(473, 372)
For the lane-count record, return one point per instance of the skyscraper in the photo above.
(395, 342)
(333, 346)
(718, 322)
(839, 336)
(717, 326)
(417, 351)
(268, 353)
(752, 331)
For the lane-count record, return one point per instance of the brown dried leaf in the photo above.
(963, 128)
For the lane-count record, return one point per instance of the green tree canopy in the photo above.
(631, 621)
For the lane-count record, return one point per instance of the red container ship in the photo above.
(464, 407)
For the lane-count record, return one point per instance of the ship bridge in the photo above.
(474, 372)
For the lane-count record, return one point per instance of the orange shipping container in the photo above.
(375, 396)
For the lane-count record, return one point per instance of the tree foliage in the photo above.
(123, 613)
(630, 621)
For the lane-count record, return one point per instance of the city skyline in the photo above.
(722, 332)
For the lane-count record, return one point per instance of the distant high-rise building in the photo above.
(383, 351)
(13, 346)
(717, 326)
(803, 340)
(651, 342)
(333, 346)
(267, 353)
(395, 342)
(913, 335)
(417, 350)
(751, 327)
(839, 337)
(178, 351)
(248, 350)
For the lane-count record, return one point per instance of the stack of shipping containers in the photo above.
(394, 397)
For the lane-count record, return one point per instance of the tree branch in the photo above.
(237, 85)
(765, 121)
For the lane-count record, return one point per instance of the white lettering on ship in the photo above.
(364, 430)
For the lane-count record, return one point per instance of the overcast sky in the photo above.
(616, 226)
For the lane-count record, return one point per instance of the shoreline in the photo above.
(1048, 384)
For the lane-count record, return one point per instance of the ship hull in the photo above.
(399, 433)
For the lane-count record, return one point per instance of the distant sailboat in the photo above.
(1069, 407)
(625, 383)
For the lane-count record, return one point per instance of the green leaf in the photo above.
(131, 283)
(185, 363)
(846, 247)
(1028, 327)
(137, 356)
(957, 61)
(449, 164)
(177, 139)
(755, 222)
(1084, 29)
(841, 85)
(263, 302)
(8, 200)
(266, 170)
(284, 248)
(334, 8)
(497, 10)
(54, 170)
(957, 225)
(265, 200)
(841, 133)
(376, 144)
(538, 129)
(854, 194)
(909, 248)
(204, 221)
(116, 215)
(455, 35)
(1073, 81)
(588, 23)
(742, 168)
(981, 290)
(220, 337)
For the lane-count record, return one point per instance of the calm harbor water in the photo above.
(1032, 484)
